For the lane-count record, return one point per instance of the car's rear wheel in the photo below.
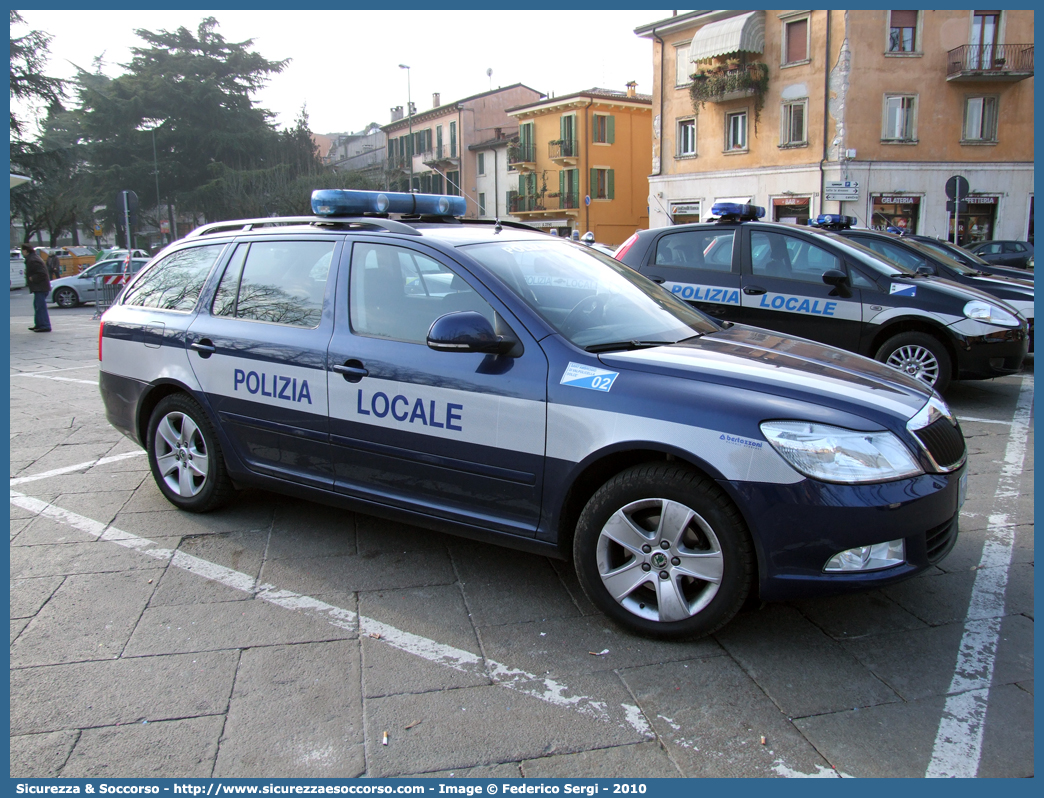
(662, 550)
(65, 298)
(185, 456)
(919, 355)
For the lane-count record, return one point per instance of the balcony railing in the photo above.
(521, 153)
(568, 201)
(439, 153)
(518, 203)
(986, 61)
(563, 148)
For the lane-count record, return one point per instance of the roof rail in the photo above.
(245, 225)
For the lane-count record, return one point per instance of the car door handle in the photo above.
(713, 310)
(204, 346)
(657, 280)
(754, 290)
(351, 370)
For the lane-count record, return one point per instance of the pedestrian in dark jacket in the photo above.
(38, 282)
(54, 266)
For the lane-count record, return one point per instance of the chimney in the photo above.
(396, 113)
(435, 99)
(632, 90)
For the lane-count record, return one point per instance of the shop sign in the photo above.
(685, 209)
(973, 200)
(898, 200)
(841, 191)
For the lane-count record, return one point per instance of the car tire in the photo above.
(185, 456)
(662, 551)
(65, 298)
(918, 355)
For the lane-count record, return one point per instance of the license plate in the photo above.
(962, 490)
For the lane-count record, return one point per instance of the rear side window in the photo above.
(280, 282)
(895, 254)
(174, 283)
(697, 249)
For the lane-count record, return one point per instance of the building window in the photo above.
(980, 119)
(482, 163)
(604, 127)
(736, 131)
(900, 118)
(453, 140)
(795, 41)
(902, 31)
(985, 27)
(793, 119)
(602, 184)
(683, 68)
(452, 183)
(686, 137)
(482, 204)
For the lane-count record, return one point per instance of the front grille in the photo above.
(943, 441)
(940, 540)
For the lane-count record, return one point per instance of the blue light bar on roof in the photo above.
(737, 210)
(834, 220)
(346, 202)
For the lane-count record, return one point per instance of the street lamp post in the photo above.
(151, 125)
(409, 117)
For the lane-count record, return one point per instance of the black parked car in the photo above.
(818, 285)
(914, 255)
(1004, 253)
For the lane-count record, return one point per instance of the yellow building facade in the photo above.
(582, 163)
(866, 113)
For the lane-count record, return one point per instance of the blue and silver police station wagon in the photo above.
(494, 382)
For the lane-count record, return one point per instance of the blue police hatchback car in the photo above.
(492, 381)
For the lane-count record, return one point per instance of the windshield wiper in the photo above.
(625, 345)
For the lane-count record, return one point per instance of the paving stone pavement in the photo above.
(279, 638)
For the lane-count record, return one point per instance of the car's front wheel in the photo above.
(65, 298)
(185, 456)
(663, 551)
(920, 355)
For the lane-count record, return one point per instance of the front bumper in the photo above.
(797, 528)
(983, 355)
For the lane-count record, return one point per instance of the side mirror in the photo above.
(467, 331)
(926, 270)
(839, 280)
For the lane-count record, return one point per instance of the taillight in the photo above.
(626, 245)
(101, 333)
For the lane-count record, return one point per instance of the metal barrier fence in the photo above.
(106, 289)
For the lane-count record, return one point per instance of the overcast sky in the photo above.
(345, 63)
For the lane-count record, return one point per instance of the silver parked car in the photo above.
(68, 292)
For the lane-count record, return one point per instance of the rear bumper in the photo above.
(122, 397)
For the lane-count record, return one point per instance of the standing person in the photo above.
(54, 266)
(38, 282)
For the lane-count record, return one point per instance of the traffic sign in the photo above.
(962, 206)
(841, 191)
(957, 188)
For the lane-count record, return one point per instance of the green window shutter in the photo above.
(561, 184)
(610, 129)
(609, 183)
(453, 139)
(576, 183)
(522, 185)
(592, 187)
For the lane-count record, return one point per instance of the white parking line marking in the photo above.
(53, 371)
(59, 379)
(958, 743)
(969, 419)
(627, 716)
(57, 472)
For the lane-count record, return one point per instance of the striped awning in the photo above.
(744, 33)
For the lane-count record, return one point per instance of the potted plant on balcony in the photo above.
(714, 83)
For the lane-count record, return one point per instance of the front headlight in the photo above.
(835, 454)
(990, 314)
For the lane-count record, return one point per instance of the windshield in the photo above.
(945, 258)
(589, 298)
(958, 254)
(866, 255)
